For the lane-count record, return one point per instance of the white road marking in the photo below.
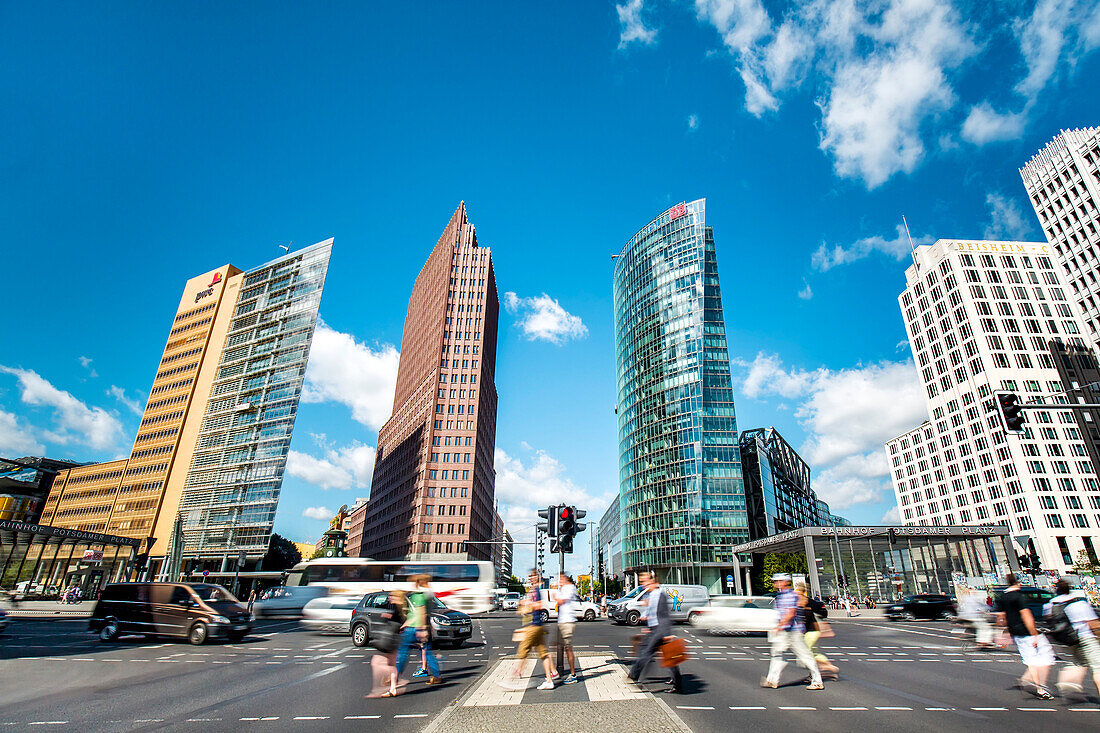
(989, 710)
(311, 717)
(892, 708)
(412, 715)
(832, 708)
(792, 707)
(694, 707)
(362, 717)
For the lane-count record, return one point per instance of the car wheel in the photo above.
(692, 617)
(633, 618)
(359, 635)
(197, 635)
(109, 630)
(948, 616)
(909, 616)
(590, 615)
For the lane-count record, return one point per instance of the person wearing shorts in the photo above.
(1035, 651)
(1086, 653)
(567, 621)
(532, 634)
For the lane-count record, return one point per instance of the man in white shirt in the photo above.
(567, 621)
(1086, 653)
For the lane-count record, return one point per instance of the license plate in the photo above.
(463, 628)
(239, 628)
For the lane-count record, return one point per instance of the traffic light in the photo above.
(563, 543)
(893, 534)
(1012, 414)
(567, 521)
(550, 525)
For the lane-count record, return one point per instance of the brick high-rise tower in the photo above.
(434, 482)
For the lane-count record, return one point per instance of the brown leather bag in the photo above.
(674, 652)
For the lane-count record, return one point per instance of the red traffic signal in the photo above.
(1012, 414)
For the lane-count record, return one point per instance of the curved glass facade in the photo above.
(681, 496)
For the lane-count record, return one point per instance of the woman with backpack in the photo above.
(385, 638)
(1074, 624)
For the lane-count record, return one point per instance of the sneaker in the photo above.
(554, 674)
(547, 685)
(420, 673)
(1043, 694)
(571, 680)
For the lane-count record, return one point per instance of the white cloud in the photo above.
(1006, 219)
(351, 373)
(806, 292)
(543, 319)
(86, 362)
(826, 258)
(892, 516)
(633, 27)
(1042, 38)
(120, 394)
(848, 415)
(74, 421)
(351, 466)
(522, 488)
(318, 512)
(693, 122)
(986, 125)
(16, 440)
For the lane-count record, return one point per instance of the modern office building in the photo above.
(496, 549)
(434, 484)
(777, 486)
(211, 446)
(981, 317)
(681, 497)
(1063, 182)
(24, 485)
(607, 544)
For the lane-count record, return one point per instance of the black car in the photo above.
(930, 606)
(448, 627)
(194, 612)
(1035, 598)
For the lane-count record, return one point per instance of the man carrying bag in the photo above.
(659, 620)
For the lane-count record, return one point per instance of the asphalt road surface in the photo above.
(894, 676)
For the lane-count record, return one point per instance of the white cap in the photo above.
(781, 576)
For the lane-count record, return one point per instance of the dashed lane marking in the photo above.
(362, 717)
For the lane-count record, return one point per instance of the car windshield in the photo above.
(438, 605)
(213, 594)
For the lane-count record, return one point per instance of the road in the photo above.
(893, 677)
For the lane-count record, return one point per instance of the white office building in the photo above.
(984, 316)
(1063, 182)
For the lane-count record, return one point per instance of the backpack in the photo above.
(1061, 628)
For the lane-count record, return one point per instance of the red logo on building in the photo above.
(217, 279)
(677, 211)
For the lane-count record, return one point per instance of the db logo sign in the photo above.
(677, 211)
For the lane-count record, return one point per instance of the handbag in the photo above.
(385, 638)
(825, 629)
(674, 652)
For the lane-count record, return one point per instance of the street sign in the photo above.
(205, 573)
(729, 580)
(93, 556)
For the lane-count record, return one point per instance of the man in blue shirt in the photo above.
(788, 634)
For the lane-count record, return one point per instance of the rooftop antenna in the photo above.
(285, 247)
(912, 247)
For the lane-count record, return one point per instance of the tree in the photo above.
(781, 562)
(1085, 565)
(515, 585)
(281, 554)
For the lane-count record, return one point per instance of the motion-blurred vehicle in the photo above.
(927, 606)
(195, 612)
(286, 600)
(586, 610)
(449, 627)
(330, 614)
(736, 615)
(683, 599)
(510, 602)
(3, 620)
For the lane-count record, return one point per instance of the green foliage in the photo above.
(515, 585)
(780, 562)
(281, 554)
(1085, 564)
(584, 586)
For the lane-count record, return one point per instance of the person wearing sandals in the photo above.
(788, 635)
(385, 640)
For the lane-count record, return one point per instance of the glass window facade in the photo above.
(232, 490)
(681, 496)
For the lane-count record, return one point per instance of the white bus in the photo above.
(465, 586)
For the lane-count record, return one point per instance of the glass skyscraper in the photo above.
(228, 503)
(681, 495)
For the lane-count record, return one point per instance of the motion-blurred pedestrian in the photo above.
(816, 629)
(658, 619)
(1034, 649)
(385, 637)
(532, 634)
(416, 628)
(788, 635)
(1074, 624)
(567, 621)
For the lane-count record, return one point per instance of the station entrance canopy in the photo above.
(885, 562)
(40, 559)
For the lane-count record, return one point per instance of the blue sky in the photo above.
(148, 144)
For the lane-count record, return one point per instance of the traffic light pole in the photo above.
(561, 645)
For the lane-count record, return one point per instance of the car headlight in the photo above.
(219, 619)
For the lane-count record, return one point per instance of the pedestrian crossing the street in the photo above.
(602, 678)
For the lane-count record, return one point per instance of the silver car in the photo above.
(286, 600)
